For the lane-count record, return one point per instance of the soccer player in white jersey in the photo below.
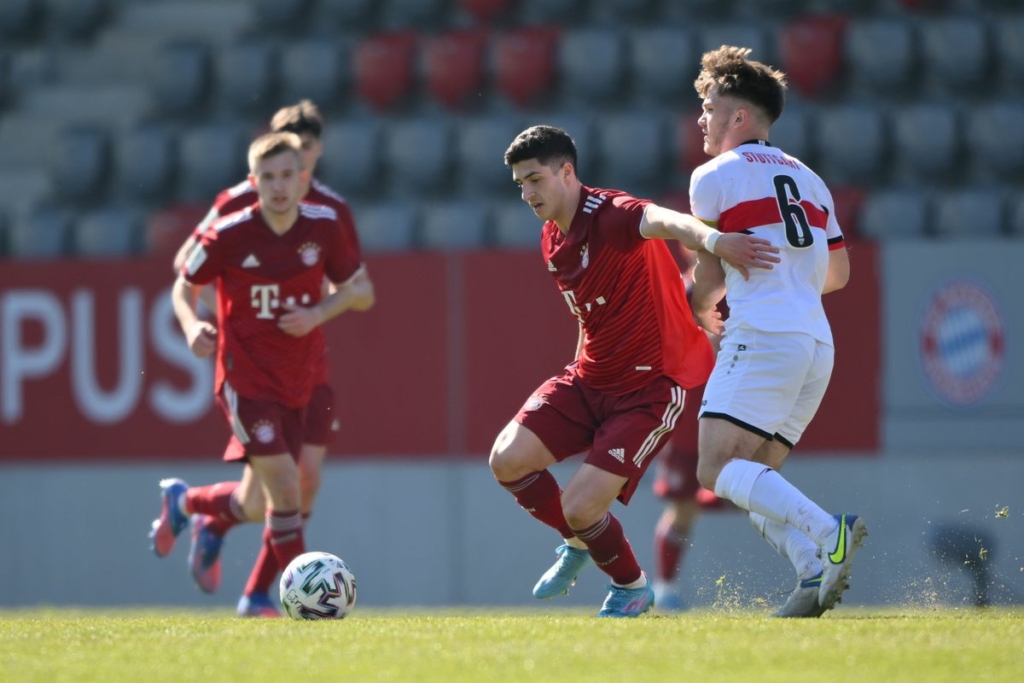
(776, 354)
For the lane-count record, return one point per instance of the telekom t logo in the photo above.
(266, 298)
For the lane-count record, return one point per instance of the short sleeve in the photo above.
(206, 261)
(706, 195)
(622, 221)
(348, 227)
(343, 260)
(833, 232)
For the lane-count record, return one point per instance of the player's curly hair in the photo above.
(547, 144)
(272, 144)
(300, 118)
(737, 76)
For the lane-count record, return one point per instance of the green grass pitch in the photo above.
(871, 646)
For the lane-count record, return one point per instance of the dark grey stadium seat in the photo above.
(75, 19)
(551, 11)
(212, 158)
(791, 132)
(348, 14)
(282, 15)
(388, 226)
(894, 215)
(412, 13)
(515, 225)
(351, 162)
(246, 76)
(995, 137)
(454, 226)
(880, 54)
(663, 62)
(580, 126)
(633, 151)
(183, 78)
(482, 142)
(850, 143)
(968, 213)
(419, 156)
(592, 64)
(926, 141)
(80, 167)
(742, 34)
(41, 234)
(955, 53)
(106, 233)
(315, 70)
(1009, 50)
(145, 162)
(19, 19)
(1015, 215)
(686, 11)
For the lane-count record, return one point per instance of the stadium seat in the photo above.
(551, 11)
(40, 234)
(74, 19)
(850, 143)
(811, 52)
(847, 201)
(348, 14)
(486, 10)
(663, 63)
(745, 34)
(592, 64)
(633, 151)
(618, 13)
(524, 62)
(20, 19)
(452, 66)
(389, 226)
(955, 53)
(81, 164)
(383, 68)
(482, 142)
(246, 76)
(145, 163)
(419, 156)
(1009, 50)
(790, 132)
(106, 233)
(167, 227)
(581, 128)
(207, 21)
(315, 69)
(926, 141)
(413, 14)
(182, 80)
(212, 158)
(894, 215)
(515, 225)
(880, 55)
(351, 162)
(686, 11)
(454, 226)
(966, 213)
(282, 15)
(995, 137)
(1015, 215)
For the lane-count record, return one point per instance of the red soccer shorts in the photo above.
(259, 427)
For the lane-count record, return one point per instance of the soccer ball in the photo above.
(318, 585)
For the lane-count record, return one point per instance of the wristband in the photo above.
(709, 245)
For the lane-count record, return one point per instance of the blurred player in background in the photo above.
(638, 350)
(777, 351)
(244, 499)
(264, 260)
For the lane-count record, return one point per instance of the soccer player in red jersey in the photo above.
(638, 350)
(269, 262)
(777, 354)
(243, 500)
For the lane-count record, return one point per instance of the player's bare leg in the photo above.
(311, 463)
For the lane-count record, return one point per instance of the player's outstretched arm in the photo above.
(708, 290)
(739, 250)
(838, 273)
(200, 335)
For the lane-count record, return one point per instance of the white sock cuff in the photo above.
(736, 481)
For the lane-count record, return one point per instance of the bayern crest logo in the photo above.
(962, 342)
(264, 431)
(309, 253)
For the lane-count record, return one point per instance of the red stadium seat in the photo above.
(524, 62)
(811, 50)
(848, 200)
(168, 227)
(485, 10)
(383, 68)
(453, 66)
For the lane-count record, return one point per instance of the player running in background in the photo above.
(269, 262)
(243, 500)
(777, 352)
(638, 350)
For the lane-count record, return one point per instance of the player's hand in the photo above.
(202, 339)
(746, 251)
(298, 321)
(710, 320)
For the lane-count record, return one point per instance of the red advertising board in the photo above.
(93, 366)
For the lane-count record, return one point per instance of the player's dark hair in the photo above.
(549, 145)
(737, 76)
(300, 118)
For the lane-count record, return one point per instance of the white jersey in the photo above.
(759, 190)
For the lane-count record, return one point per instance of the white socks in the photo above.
(790, 544)
(758, 488)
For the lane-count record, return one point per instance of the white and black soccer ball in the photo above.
(318, 585)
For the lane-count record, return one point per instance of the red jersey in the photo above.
(627, 292)
(258, 274)
(243, 194)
